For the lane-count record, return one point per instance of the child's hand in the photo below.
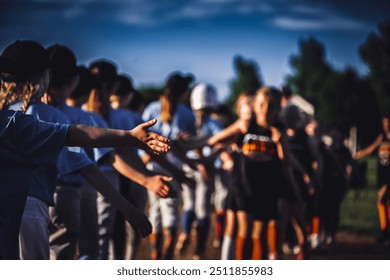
(138, 221)
(357, 155)
(157, 184)
(306, 179)
(149, 140)
(275, 134)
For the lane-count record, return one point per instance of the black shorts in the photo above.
(264, 210)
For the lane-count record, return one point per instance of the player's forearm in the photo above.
(90, 136)
(134, 160)
(100, 182)
(226, 135)
(371, 148)
(126, 168)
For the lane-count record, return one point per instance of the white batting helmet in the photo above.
(203, 96)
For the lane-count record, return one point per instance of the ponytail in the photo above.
(166, 109)
(96, 103)
(168, 106)
(29, 92)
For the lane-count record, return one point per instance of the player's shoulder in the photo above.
(185, 110)
(154, 105)
(49, 113)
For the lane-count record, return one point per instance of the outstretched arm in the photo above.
(368, 150)
(128, 168)
(90, 136)
(226, 136)
(177, 173)
(229, 134)
(136, 218)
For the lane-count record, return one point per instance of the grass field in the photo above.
(358, 211)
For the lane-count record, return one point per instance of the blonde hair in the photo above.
(273, 96)
(168, 106)
(243, 98)
(11, 92)
(265, 91)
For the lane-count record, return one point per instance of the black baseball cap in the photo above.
(104, 71)
(63, 64)
(178, 82)
(85, 84)
(125, 85)
(22, 59)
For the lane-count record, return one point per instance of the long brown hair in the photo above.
(168, 106)
(176, 86)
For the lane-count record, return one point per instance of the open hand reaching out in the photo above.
(149, 140)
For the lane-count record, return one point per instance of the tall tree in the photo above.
(375, 52)
(341, 98)
(359, 106)
(310, 68)
(248, 79)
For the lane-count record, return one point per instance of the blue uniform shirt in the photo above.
(183, 121)
(25, 139)
(121, 119)
(25, 144)
(70, 159)
(78, 116)
(210, 127)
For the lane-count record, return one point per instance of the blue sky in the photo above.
(149, 39)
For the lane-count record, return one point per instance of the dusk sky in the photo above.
(149, 39)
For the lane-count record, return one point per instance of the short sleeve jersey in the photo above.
(183, 121)
(209, 127)
(26, 144)
(78, 116)
(69, 161)
(120, 119)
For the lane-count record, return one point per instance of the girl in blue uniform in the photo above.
(125, 240)
(197, 201)
(105, 84)
(175, 119)
(34, 234)
(67, 211)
